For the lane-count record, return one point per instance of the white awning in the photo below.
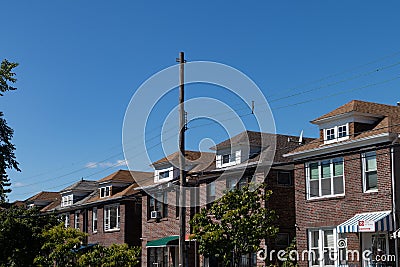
(382, 219)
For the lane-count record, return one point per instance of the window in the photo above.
(342, 131)
(158, 203)
(111, 218)
(337, 133)
(325, 178)
(322, 247)
(370, 175)
(67, 201)
(163, 175)
(226, 158)
(66, 220)
(76, 220)
(282, 240)
(284, 178)
(94, 220)
(105, 191)
(231, 183)
(210, 192)
(330, 134)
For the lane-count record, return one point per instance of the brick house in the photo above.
(43, 200)
(108, 210)
(233, 165)
(346, 186)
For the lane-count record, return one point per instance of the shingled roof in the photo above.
(363, 107)
(126, 176)
(43, 196)
(82, 185)
(197, 157)
(250, 137)
(388, 121)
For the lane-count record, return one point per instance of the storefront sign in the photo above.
(366, 226)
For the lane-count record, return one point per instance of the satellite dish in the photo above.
(301, 137)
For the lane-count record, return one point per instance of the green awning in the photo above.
(163, 242)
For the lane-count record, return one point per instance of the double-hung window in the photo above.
(111, 218)
(66, 220)
(370, 175)
(325, 178)
(76, 220)
(94, 220)
(322, 247)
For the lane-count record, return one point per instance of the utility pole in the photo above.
(182, 172)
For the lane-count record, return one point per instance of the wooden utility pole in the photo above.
(182, 172)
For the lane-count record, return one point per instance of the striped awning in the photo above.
(382, 219)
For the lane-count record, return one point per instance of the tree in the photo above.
(234, 225)
(113, 256)
(59, 246)
(63, 247)
(20, 235)
(7, 156)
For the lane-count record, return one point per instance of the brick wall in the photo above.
(330, 212)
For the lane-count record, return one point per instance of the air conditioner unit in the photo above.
(155, 215)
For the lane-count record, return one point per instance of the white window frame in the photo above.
(107, 217)
(321, 248)
(336, 137)
(364, 172)
(159, 178)
(105, 191)
(76, 220)
(308, 179)
(67, 200)
(66, 220)
(94, 219)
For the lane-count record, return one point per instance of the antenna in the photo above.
(301, 137)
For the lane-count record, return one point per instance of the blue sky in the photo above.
(81, 62)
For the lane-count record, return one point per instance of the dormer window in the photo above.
(335, 134)
(105, 191)
(226, 158)
(330, 134)
(67, 201)
(164, 174)
(342, 131)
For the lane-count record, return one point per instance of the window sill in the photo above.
(371, 191)
(157, 220)
(324, 198)
(94, 232)
(112, 230)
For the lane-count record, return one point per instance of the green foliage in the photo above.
(113, 256)
(288, 261)
(59, 246)
(20, 235)
(7, 156)
(7, 76)
(234, 225)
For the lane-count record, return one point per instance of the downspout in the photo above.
(394, 205)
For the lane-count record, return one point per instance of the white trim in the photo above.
(336, 134)
(95, 215)
(308, 179)
(364, 173)
(106, 193)
(332, 148)
(321, 243)
(157, 177)
(107, 215)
